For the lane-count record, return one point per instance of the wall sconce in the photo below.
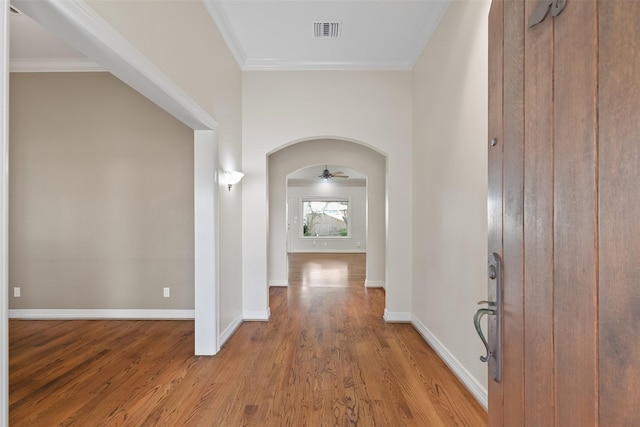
(232, 177)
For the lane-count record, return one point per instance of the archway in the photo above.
(299, 155)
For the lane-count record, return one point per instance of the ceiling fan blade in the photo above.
(340, 176)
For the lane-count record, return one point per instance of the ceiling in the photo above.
(311, 175)
(373, 34)
(34, 48)
(276, 34)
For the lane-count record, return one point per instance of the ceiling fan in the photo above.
(326, 175)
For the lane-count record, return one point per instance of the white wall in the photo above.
(450, 187)
(357, 219)
(370, 107)
(327, 151)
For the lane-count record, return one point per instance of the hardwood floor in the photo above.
(326, 358)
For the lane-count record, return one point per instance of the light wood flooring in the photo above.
(325, 358)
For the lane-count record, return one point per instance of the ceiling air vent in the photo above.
(326, 29)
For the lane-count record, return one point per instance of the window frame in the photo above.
(306, 199)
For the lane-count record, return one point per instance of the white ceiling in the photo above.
(34, 48)
(375, 34)
(276, 34)
(311, 175)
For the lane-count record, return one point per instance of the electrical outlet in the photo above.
(166, 292)
(325, 243)
(16, 292)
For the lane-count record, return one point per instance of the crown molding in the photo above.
(275, 64)
(66, 65)
(221, 19)
(84, 29)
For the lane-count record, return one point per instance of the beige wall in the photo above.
(181, 39)
(450, 183)
(430, 123)
(372, 108)
(101, 196)
(328, 151)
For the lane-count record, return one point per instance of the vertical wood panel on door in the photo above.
(619, 209)
(513, 320)
(538, 224)
(575, 214)
(580, 299)
(495, 158)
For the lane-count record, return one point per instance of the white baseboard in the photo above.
(329, 251)
(373, 283)
(278, 283)
(71, 314)
(230, 330)
(396, 317)
(259, 316)
(472, 384)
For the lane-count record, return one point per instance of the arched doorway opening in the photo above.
(371, 167)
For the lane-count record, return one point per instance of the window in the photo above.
(326, 218)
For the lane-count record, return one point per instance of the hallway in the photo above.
(326, 357)
(374, 373)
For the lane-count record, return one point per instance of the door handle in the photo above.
(476, 321)
(493, 341)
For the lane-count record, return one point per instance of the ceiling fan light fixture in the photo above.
(326, 175)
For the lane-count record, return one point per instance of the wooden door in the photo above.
(564, 212)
